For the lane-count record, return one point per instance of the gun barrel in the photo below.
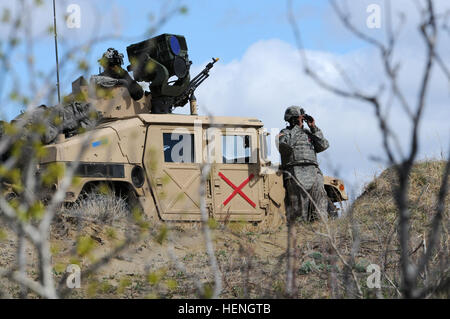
(194, 83)
(199, 78)
(211, 64)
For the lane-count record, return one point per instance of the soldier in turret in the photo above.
(114, 74)
(298, 147)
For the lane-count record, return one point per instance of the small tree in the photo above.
(431, 24)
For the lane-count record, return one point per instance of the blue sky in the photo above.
(227, 28)
(259, 73)
(224, 29)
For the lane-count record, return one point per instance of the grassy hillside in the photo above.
(329, 257)
(376, 215)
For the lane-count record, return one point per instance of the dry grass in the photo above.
(99, 208)
(253, 262)
(376, 215)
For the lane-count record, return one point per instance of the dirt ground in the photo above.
(170, 260)
(166, 263)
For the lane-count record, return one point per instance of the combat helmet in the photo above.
(111, 57)
(293, 112)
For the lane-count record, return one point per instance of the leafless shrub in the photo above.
(26, 215)
(99, 208)
(412, 280)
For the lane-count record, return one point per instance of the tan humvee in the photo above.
(136, 152)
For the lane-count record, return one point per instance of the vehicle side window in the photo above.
(178, 148)
(236, 149)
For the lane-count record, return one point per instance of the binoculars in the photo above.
(307, 118)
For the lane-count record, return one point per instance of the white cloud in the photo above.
(268, 78)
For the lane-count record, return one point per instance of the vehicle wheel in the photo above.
(133, 202)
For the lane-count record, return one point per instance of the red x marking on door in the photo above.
(237, 189)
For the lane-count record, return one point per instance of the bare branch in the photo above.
(323, 218)
(205, 171)
(345, 18)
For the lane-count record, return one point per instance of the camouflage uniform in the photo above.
(60, 119)
(114, 74)
(298, 147)
(66, 119)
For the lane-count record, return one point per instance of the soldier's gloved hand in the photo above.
(310, 121)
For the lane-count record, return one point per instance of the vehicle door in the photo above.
(172, 161)
(236, 184)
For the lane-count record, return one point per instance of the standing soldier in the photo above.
(298, 147)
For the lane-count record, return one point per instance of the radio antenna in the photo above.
(56, 52)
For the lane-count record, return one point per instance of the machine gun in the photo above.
(162, 104)
(157, 61)
(182, 99)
